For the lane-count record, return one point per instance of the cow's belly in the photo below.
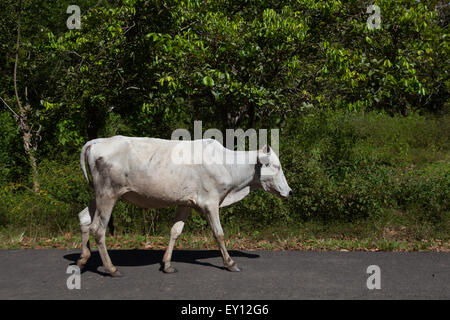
(148, 202)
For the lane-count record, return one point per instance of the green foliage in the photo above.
(424, 193)
(309, 67)
(348, 167)
(230, 63)
(13, 164)
(342, 168)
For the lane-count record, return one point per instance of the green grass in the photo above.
(363, 236)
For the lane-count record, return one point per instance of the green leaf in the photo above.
(208, 81)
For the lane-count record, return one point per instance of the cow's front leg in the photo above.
(212, 215)
(177, 228)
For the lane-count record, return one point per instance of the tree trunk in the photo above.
(29, 144)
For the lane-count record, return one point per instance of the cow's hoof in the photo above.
(116, 274)
(233, 268)
(80, 264)
(170, 270)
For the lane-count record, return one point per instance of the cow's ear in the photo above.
(263, 155)
(266, 149)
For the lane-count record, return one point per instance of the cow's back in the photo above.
(141, 170)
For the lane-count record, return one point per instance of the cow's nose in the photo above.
(290, 194)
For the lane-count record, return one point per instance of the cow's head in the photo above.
(271, 175)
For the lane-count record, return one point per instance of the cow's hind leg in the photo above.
(212, 215)
(104, 207)
(177, 228)
(85, 221)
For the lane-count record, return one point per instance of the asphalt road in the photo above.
(41, 274)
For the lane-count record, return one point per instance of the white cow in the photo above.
(144, 171)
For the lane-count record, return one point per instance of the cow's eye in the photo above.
(267, 164)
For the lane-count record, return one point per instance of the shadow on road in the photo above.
(130, 258)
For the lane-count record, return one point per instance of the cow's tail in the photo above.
(84, 157)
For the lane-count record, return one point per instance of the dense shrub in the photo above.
(63, 194)
(13, 164)
(342, 168)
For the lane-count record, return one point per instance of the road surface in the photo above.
(41, 274)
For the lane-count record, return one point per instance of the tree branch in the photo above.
(17, 56)
(10, 109)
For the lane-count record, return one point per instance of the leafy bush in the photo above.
(342, 168)
(347, 166)
(13, 163)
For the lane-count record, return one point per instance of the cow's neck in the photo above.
(244, 177)
(244, 174)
